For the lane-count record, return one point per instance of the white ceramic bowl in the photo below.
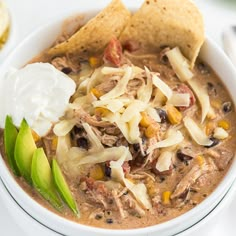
(41, 39)
(11, 39)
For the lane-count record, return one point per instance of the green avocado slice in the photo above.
(10, 134)
(24, 150)
(63, 187)
(41, 175)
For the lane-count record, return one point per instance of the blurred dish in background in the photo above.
(4, 23)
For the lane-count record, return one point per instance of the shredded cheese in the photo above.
(138, 190)
(180, 99)
(164, 161)
(173, 139)
(144, 93)
(203, 98)
(63, 127)
(196, 133)
(132, 110)
(114, 105)
(162, 86)
(121, 85)
(108, 154)
(179, 64)
(96, 143)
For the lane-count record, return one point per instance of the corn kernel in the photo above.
(152, 190)
(224, 124)
(96, 172)
(210, 126)
(36, 137)
(96, 92)
(174, 116)
(101, 111)
(216, 104)
(94, 62)
(146, 120)
(152, 130)
(200, 160)
(54, 143)
(166, 197)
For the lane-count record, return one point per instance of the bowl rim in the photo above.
(33, 206)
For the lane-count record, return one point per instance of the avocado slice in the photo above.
(63, 187)
(41, 175)
(24, 150)
(10, 134)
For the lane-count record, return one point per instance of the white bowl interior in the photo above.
(43, 38)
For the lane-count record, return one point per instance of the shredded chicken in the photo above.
(129, 203)
(82, 116)
(118, 202)
(66, 64)
(107, 85)
(191, 177)
(109, 140)
(221, 157)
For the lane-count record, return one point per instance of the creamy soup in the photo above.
(144, 139)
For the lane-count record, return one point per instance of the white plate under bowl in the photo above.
(41, 39)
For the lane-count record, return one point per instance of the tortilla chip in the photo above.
(170, 23)
(93, 37)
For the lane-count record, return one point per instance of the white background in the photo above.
(29, 14)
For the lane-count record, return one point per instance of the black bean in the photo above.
(183, 157)
(107, 170)
(66, 70)
(215, 142)
(164, 60)
(203, 68)
(162, 114)
(227, 107)
(186, 163)
(210, 86)
(98, 217)
(108, 213)
(136, 147)
(211, 89)
(82, 142)
(109, 221)
(78, 130)
(162, 179)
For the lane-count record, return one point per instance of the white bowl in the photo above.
(24, 220)
(43, 38)
(10, 40)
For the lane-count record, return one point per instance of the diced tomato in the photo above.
(183, 88)
(113, 52)
(126, 167)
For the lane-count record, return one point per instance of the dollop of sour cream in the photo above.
(38, 92)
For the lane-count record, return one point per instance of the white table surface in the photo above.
(29, 14)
